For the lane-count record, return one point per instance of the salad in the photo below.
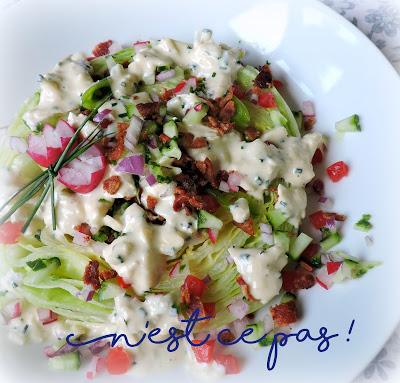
(146, 182)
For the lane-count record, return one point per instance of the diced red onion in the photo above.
(151, 180)
(165, 75)
(229, 259)
(133, 132)
(207, 279)
(239, 325)
(46, 316)
(223, 186)
(266, 228)
(18, 144)
(99, 346)
(132, 165)
(198, 107)
(331, 223)
(153, 142)
(267, 238)
(101, 115)
(308, 109)
(86, 293)
(191, 83)
(65, 349)
(81, 239)
(369, 240)
(238, 308)
(234, 180)
(12, 311)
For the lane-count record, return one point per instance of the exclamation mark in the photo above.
(350, 329)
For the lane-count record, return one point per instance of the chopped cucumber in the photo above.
(288, 297)
(258, 331)
(299, 245)
(267, 341)
(359, 268)
(99, 64)
(18, 127)
(277, 118)
(242, 116)
(170, 129)
(41, 269)
(109, 290)
(162, 174)
(194, 117)
(330, 241)
(66, 362)
(349, 124)
(171, 150)
(246, 76)
(96, 93)
(363, 224)
(260, 117)
(276, 218)
(205, 220)
(282, 239)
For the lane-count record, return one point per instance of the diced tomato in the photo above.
(122, 283)
(333, 267)
(10, 232)
(320, 219)
(267, 100)
(277, 84)
(164, 138)
(209, 309)
(118, 361)
(195, 285)
(180, 86)
(213, 234)
(102, 48)
(337, 171)
(205, 352)
(230, 362)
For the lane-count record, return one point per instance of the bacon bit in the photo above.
(102, 49)
(164, 138)
(310, 252)
(251, 134)
(111, 185)
(247, 226)
(187, 201)
(105, 275)
(245, 288)
(185, 294)
(284, 314)
(190, 142)
(83, 228)
(340, 217)
(149, 110)
(91, 275)
(227, 336)
(264, 77)
(205, 309)
(221, 127)
(227, 111)
(151, 202)
(277, 84)
(238, 91)
(206, 168)
(293, 280)
(309, 122)
(116, 152)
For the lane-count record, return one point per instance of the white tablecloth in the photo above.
(380, 21)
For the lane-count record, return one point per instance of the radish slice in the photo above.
(83, 174)
(46, 148)
(213, 234)
(333, 267)
(223, 186)
(234, 181)
(46, 316)
(165, 75)
(10, 232)
(239, 308)
(324, 279)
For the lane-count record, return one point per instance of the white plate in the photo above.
(322, 57)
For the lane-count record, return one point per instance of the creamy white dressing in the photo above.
(261, 270)
(240, 210)
(61, 89)
(292, 202)
(122, 81)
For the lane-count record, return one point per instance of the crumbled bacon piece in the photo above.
(284, 314)
(264, 77)
(111, 185)
(92, 275)
(205, 309)
(188, 201)
(294, 280)
(105, 275)
(190, 142)
(227, 111)
(84, 228)
(149, 110)
(221, 127)
(251, 134)
(114, 153)
(206, 168)
(102, 49)
(247, 226)
(227, 336)
(245, 288)
(151, 202)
